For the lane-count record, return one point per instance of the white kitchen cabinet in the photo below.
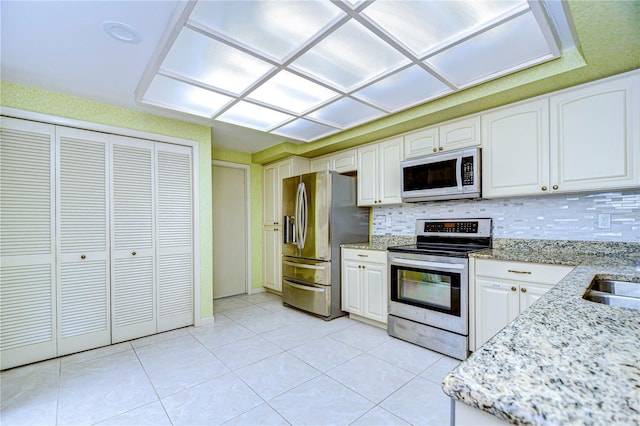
(97, 239)
(515, 150)
(364, 284)
(503, 290)
(379, 173)
(448, 136)
(272, 217)
(320, 164)
(582, 139)
(595, 136)
(344, 161)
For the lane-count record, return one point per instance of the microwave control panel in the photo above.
(467, 170)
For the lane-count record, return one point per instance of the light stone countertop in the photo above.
(381, 242)
(565, 360)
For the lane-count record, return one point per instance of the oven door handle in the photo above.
(426, 264)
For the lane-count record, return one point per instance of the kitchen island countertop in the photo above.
(565, 360)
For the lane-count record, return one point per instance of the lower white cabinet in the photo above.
(272, 258)
(364, 283)
(503, 290)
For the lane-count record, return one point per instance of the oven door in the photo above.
(431, 290)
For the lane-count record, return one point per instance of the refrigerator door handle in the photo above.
(297, 218)
(304, 265)
(305, 212)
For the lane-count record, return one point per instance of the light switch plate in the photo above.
(604, 220)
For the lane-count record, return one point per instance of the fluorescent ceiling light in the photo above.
(308, 69)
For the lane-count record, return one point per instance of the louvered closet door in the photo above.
(82, 229)
(27, 256)
(174, 210)
(133, 310)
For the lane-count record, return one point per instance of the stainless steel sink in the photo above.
(624, 294)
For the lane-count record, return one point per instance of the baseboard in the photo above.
(368, 321)
(257, 290)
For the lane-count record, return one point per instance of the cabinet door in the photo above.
(595, 137)
(320, 164)
(83, 241)
(421, 142)
(269, 194)
(375, 292)
(530, 292)
(389, 175)
(174, 242)
(27, 251)
(352, 287)
(516, 150)
(497, 304)
(271, 258)
(133, 290)
(460, 134)
(345, 161)
(368, 175)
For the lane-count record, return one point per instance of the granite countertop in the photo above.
(381, 242)
(565, 360)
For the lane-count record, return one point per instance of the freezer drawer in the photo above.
(308, 297)
(312, 271)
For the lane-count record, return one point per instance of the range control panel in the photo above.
(464, 228)
(457, 227)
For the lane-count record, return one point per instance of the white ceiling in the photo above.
(61, 46)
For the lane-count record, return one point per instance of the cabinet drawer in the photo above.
(522, 271)
(375, 256)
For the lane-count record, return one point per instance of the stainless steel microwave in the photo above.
(447, 176)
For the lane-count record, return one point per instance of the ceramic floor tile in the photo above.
(176, 364)
(420, 402)
(379, 417)
(246, 312)
(274, 306)
(291, 336)
(371, 377)
(262, 298)
(229, 303)
(262, 415)
(216, 335)
(151, 414)
(325, 353)
(362, 336)
(97, 390)
(245, 352)
(406, 355)
(264, 323)
(160, 337)
(439, 369)
(276, 375)
(29, 395)
(211, 403)
(95, 353)
(321, 401)
(329, 327)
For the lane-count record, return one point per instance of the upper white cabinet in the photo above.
(452, 135)
(583, 139)
(595, 136)
(341, 162)
(320, 164)
(379, 173)
(272, 186)
(515, 150)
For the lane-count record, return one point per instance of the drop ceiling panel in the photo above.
(346, 113)
(305, 130)
(254, 116)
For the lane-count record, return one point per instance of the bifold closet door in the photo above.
(174, 244)
(133, 285)
(83, 240)
(27, 244)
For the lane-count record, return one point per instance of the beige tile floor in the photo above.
(260, 363)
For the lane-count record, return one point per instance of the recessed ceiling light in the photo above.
(121, 31)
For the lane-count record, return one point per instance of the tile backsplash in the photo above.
(550, 217)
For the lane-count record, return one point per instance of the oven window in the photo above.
(433, 290)
(430, 176)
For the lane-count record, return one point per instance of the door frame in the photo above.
(247, 221)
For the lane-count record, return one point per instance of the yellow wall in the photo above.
(45, 102)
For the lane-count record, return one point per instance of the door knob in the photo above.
(524, 290)
(555, 187)
(544, 188)
(83, 257)
(440, 149)
(133, 253)
(513, 289)
(435, 150)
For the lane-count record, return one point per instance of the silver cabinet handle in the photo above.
(363, 255)
(518, 272)
(305, 287)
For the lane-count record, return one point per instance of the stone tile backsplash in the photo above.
(550, 217)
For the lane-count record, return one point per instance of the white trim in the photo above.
(104, 128)
(247, 188)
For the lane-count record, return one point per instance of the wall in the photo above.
(551, 217)
(45, 102)
(256, 208)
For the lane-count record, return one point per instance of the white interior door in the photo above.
(174, 244)
(27, 250)
(82, 243)
(133, 292)
(229, 231)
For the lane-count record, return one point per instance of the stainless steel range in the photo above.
(429, 284)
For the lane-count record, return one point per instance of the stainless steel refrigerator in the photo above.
(320, 214)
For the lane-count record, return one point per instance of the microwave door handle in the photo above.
(459, 172)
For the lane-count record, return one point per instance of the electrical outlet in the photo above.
(604, 220)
